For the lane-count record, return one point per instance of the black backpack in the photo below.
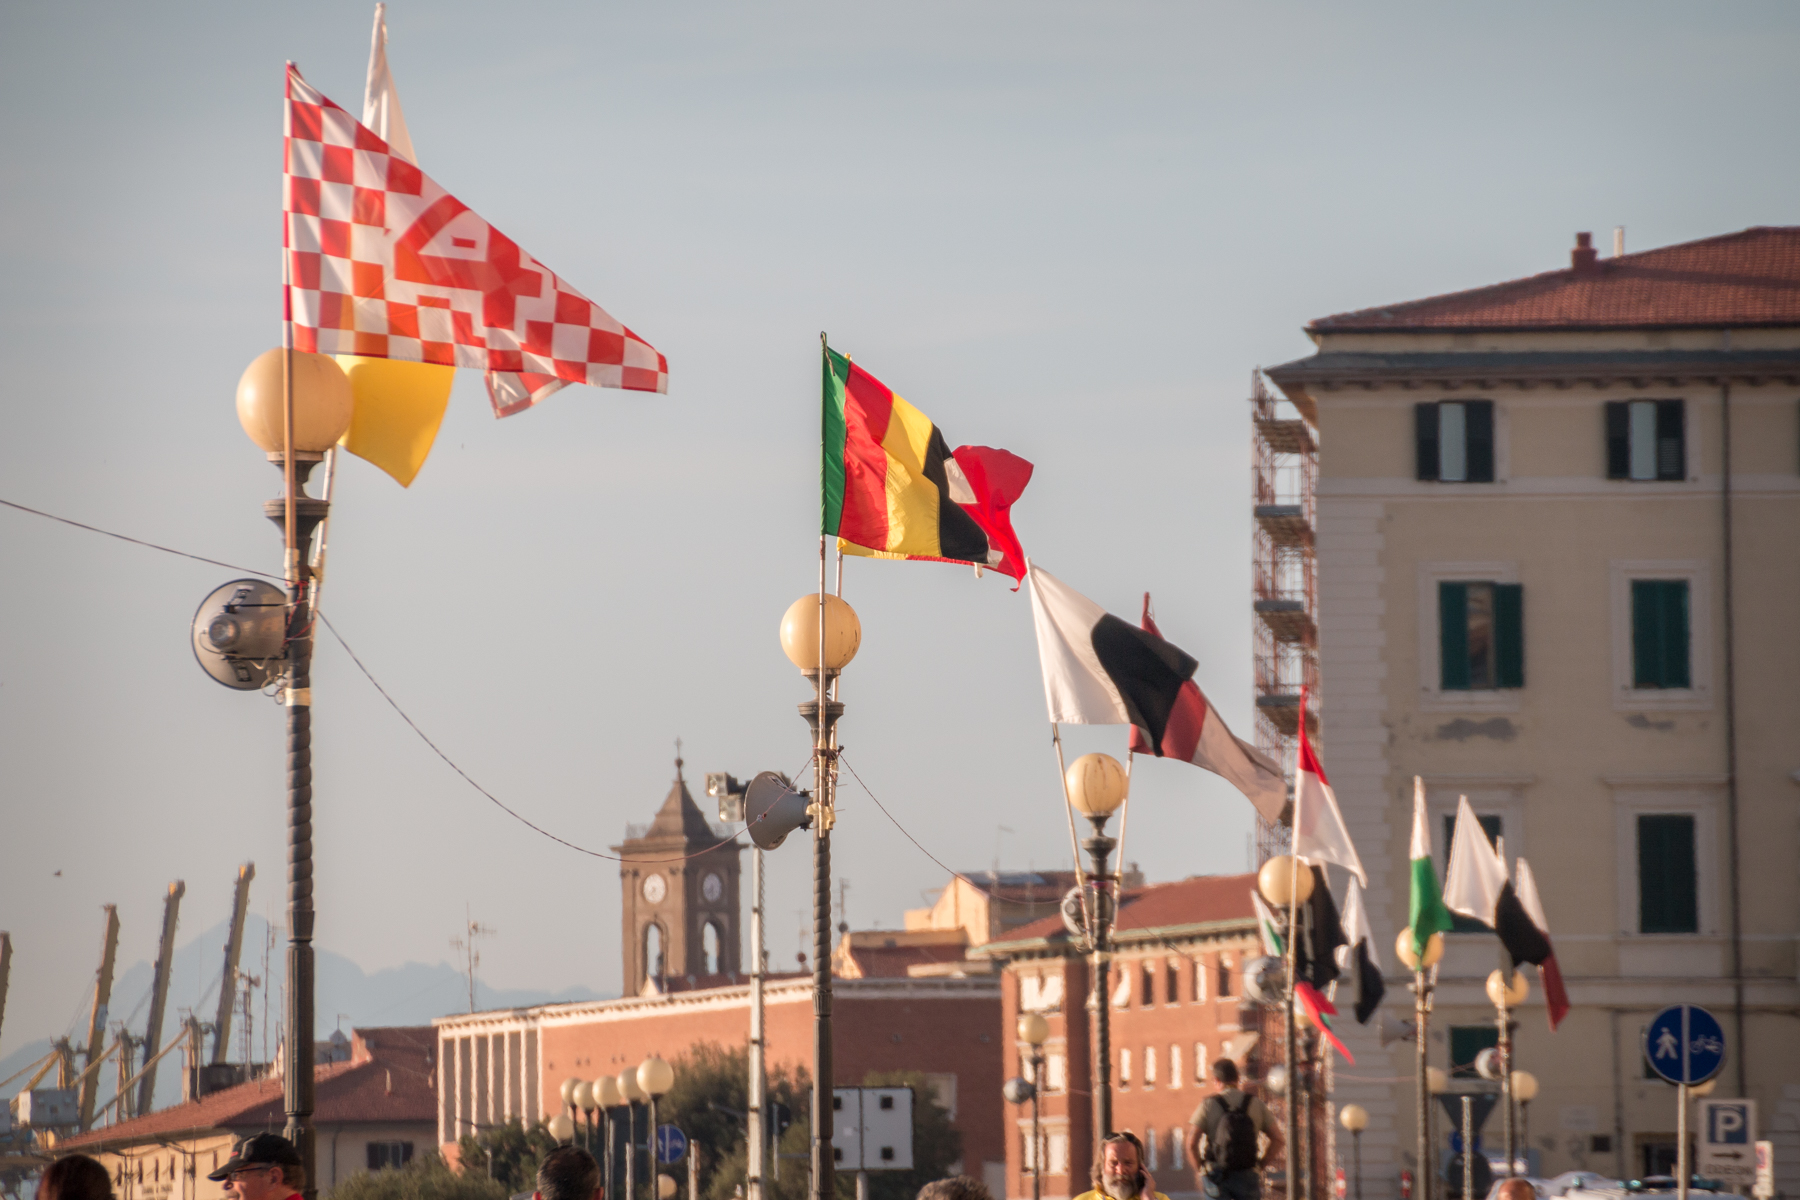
(1233, 1138)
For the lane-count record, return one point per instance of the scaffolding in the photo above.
(1284, 582)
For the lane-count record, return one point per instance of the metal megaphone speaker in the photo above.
(1391, 1029)
(1073, 918)
(1265, 980)
(773, 809)
(1487, 1064)
(240, 634)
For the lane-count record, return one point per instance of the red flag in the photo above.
(384, 263)
(1318, 1008)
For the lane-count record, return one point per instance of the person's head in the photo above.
(264, 1167)
(956, 1187)
(1121, 1160)
(568, 1173)
(1225, 1072)
(75, 1177)
(1516, 1189)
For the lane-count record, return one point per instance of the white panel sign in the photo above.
(872, 1129)
(1727, 1141)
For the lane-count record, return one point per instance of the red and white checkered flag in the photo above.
(384, 263)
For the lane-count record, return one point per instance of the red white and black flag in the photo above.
(1476, 886)
(1556, 997)
(1099, 670)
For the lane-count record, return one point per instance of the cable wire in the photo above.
(136, 541)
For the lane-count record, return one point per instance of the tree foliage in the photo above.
(427, 1177)
(516, 1152)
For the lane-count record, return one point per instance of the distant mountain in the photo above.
(347, 995)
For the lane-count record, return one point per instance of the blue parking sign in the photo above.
(1685, 1044)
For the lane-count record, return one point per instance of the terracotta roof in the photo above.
(1738, 279)
(1200, 900)
(388, 1079)
(875, 956)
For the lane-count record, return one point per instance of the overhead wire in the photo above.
(392, 703)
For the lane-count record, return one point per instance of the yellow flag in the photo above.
(399, 406)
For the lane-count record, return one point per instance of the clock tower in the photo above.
(679, 911)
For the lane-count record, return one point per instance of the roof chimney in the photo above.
(1618, 241)
(1584, 259)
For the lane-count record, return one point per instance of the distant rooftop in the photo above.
(1746, 279)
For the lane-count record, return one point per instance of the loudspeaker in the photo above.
(240, 633)
(1265, 980)
(774, 809)
(1391, 1029)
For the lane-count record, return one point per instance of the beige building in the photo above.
(1558, 553)
(375, 1109)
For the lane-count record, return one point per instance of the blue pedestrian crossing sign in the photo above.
(1685, 1044)
(671, 1144)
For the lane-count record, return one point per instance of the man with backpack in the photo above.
(1224, 1139)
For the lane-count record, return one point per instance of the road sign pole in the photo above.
(1681, 1132)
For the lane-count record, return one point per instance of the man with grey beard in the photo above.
(1120, 1173)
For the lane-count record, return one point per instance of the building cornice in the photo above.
(1335, 370)
(1061, 945)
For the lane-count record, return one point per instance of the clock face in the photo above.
(655, 889)
(712, 887)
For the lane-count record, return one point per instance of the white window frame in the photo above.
(1056, 1072)
(1697, 573)
(1432, 696)
(1490, 796)
(1124, 1067)
(1698, 796)
(1149, 1067)
(1201, 1065)
(1175, 1080)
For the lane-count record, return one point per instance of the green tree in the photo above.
(936, 1142)
(428, 1177)
(708, 1103)
(516, 1152)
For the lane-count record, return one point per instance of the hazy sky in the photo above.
(1068, 230)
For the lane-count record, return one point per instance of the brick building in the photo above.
(681, 912)
(1176, 1006)
(375, 1109)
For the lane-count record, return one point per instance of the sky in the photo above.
(1072, 230)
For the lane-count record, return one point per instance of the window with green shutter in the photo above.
(1668, 874)
(1659, 634)
(1454, 440)
(1466, 1041)
(1491, 826)
(1481, 636)
(1646, 439)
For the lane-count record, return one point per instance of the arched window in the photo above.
(653, 951)
(709, 943)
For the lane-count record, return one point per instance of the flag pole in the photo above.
(1291, 1152)
(824, 1173)
(1074, 841)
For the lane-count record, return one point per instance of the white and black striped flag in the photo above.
(1476, 886)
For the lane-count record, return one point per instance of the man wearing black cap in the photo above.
(264, 1167)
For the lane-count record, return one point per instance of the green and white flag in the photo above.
(1426, 914)
(1272, 944)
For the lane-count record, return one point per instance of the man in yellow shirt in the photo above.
(1120, 1173)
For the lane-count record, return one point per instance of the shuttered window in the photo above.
(1454, 440)
(1646, 439)
(1466, 1041)
(1668, 875)
(1481, 636)
(1659, 634)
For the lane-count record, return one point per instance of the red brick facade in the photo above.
(500, 1065)
(1175, 1006)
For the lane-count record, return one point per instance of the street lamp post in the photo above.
(1506, 995)
(583, 1101)
(1033, 1030)
(820, 635)
(1287, 883)
(632, 1093)
(654, 1077)
(1095, 785)
(560, 1127)
(607, 1098)
(1524, 1091)
(296, 406)
(1423, 969)
(1355, 1118)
